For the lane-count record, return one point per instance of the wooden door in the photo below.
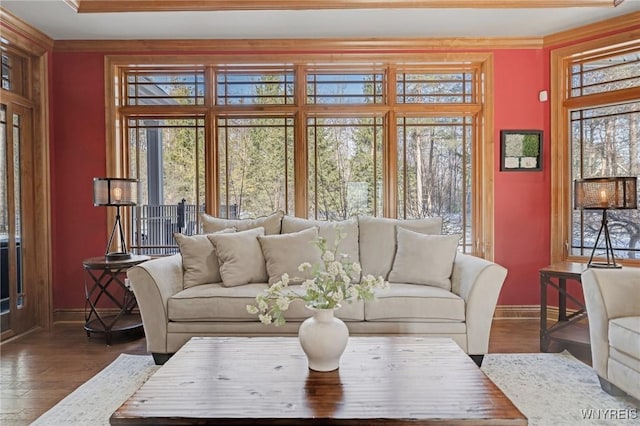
(17, 214)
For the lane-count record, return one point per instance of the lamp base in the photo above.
(117, 256)
(604, 265)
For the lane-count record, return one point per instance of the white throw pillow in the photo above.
(199, 260)
(271, 223)
(327, 230)
(240, 257)
(284, 253)
(424, 259)
(378, 240)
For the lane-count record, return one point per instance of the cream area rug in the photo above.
(558, 390)
(92, 403)
(550, 389)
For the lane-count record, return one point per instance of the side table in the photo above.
(567, 329)
(107, 281)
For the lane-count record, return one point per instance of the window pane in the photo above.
(345, 167)
(606, 142)
(434, 171)
(422, 88)
(171, 87)
(247, 88)
(170, 168)
(13, 72)
(255, 166)
(606, 74)
(345, 88)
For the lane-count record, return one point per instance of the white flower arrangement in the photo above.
(329, 285)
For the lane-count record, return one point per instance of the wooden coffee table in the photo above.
(265, 381)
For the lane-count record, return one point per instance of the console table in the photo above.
(107, 281)
(567, 329)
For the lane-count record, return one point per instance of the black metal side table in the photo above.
(569, 328)
(107, 281)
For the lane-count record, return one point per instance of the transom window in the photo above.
(441, 87)
(326, 142)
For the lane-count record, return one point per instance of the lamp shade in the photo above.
(115, 192)
(606, 193)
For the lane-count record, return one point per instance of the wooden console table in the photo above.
(567, 329)
(103, 274)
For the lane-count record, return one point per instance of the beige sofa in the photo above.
(612, 297)
(176, 304)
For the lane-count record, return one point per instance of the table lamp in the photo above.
(116, 192)
(604, 194)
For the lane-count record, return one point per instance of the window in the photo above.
(167, 156)
(320, 141)
(434, 164)
(601, 117)
(345, 167)
(255, 160)
(14, 74)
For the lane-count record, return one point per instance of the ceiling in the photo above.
(59, 20)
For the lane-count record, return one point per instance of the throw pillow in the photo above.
(271, 223)
(327, 230)
(378, 240)
(199, 260)
(240, 257)
(285, 252)
(424, 259)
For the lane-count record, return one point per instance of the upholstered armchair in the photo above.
(613, 307)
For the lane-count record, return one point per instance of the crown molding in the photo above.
(625, 22)
(104, 6)
(230, 46)
(19, 33)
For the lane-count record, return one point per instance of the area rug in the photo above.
(92, 403)
(558, 389)
(550, 389)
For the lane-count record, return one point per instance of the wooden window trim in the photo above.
(483, 153)
(561, 185)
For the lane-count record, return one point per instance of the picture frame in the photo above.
(521, 150)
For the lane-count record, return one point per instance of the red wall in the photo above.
(522, 209)
(78, 155)
(522, 199)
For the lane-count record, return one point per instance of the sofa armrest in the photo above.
(478, 281)
(153, 283)
(608, 294)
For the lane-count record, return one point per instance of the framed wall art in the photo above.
(521, 150)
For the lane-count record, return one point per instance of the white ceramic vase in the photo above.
(323, 338)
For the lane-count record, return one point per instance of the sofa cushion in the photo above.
(271, 223)
(328, 230)
(199, 259)
(240, 257)
(214, 302)
(283, 254)
(378, 240)
(624, 335)
(413, 302)
(424, 259)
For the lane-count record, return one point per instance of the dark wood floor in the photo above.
(41, 368)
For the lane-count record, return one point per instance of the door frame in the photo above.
(37, 47)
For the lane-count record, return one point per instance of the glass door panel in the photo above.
(15, 133)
